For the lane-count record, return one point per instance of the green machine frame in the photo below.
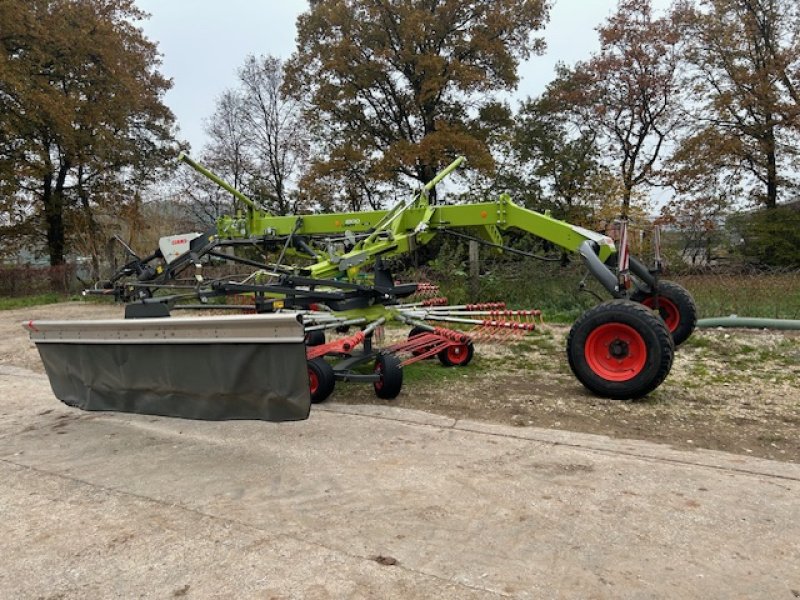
(414, 223)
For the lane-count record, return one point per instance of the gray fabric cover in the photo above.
(216, 381)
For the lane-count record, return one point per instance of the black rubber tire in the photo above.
(326, 380)
(682, 301)
(417, 330)
(391, 381)
(315, 338)
(447, 359)
(655, 340)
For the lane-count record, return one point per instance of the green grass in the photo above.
(539, 340)
(10, 303)
(698, 341)
(786, 353)
(742, 362)
(432, 371)
(36, 300)
(775, 296)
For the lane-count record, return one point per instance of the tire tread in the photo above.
(641, 318)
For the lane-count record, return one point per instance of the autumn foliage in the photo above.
(692, 112)
(81, 114)
(400, 88)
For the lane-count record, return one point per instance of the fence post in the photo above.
(474, 270)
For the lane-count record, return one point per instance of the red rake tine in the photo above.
(431, 351)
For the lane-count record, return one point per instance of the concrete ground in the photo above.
(373, 502)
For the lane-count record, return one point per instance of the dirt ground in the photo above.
(731, 390)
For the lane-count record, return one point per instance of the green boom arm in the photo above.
(218, 180)
(415, 222)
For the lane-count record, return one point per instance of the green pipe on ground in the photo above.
(750, 323)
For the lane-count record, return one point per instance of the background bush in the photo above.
(769, 238)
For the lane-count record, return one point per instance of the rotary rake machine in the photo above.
(426, 340)
(338, 280)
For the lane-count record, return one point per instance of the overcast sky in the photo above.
(203, 42)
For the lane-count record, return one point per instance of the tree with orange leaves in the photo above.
(745, 79)
(628, 91)
(82, 119)
(399, 88)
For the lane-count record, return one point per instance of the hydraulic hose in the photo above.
(750, 323)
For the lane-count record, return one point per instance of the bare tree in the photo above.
(257, 143)
(276, 135)
(207, 201)
(228, 151)
(227, 154)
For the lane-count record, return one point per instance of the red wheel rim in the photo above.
(667, 309)
(379, 371)
(457, 354)
(615, 352)
(313, 382)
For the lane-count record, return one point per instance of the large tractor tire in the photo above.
(620, 349)
(321, 380)
(676, 307)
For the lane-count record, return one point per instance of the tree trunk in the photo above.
(772, 168)
(627, 192)
(94, 229)
(54, 214)
(54, 218)
(426, 173)
(474, 270)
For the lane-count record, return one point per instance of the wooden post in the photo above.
(474, 270)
